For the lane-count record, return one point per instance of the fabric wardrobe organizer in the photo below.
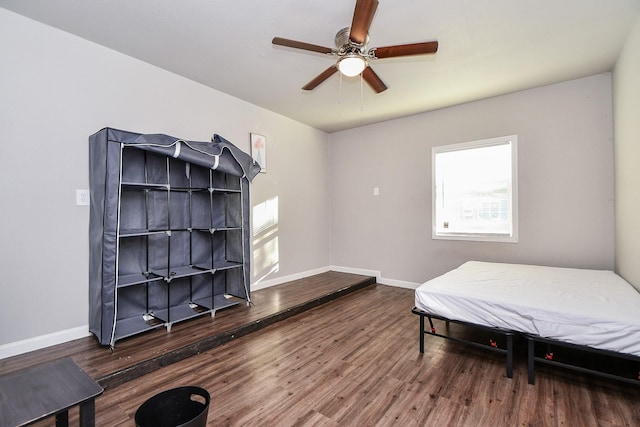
(168, 231)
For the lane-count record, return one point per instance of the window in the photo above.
(475, 193)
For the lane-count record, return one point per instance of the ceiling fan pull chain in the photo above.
(340, 91)
(361, 92)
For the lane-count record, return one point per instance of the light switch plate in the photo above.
(82, 197)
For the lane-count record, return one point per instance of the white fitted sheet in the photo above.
(596, 308)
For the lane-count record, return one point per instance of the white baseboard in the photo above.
(378, 276)
(398, 283)
(42, 341)
(361, 271)
(261, 284)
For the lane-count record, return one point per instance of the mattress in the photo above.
(596, 308)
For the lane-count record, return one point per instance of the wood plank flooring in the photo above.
(355, 362)
(147, 352)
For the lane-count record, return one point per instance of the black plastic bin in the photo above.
(178, 407)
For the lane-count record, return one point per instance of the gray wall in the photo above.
(566, 207)
(56, 90)
(626, 95)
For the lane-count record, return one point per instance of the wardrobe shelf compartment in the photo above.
(140, 233)
(216, 229)
(186, 271)
(126, 280)
(134, 325)
(181, 312)
(223, 190)
(143, 186)
(220, 301)
(225, 265)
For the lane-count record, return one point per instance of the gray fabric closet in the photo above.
(169, 230)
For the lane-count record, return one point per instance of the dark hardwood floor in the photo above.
(142, 354)
(354, 361)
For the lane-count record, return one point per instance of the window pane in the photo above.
(473, 191)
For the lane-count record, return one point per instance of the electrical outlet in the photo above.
(82, 197)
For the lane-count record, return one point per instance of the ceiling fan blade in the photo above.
(301, 45)
(373, 80)
(405, 50)
(320, 78)
(362, 17)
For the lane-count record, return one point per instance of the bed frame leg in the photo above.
(510, 356)
(530, 360)
(421, 333)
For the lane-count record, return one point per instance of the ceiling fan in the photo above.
(351, 49)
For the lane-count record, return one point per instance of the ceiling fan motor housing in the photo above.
(346, 45)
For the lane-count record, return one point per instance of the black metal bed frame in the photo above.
(553, 358)
(550, 357)
(492, 346)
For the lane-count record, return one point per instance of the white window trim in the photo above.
(480, 237)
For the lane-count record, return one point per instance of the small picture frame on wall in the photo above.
(259, 150)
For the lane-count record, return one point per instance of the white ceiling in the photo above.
(486, 47)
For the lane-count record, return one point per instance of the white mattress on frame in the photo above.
(596, 308)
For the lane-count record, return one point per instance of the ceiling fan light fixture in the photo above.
(352, 65)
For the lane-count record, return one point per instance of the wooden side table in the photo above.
(49, 389)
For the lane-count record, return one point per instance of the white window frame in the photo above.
(473, 236)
